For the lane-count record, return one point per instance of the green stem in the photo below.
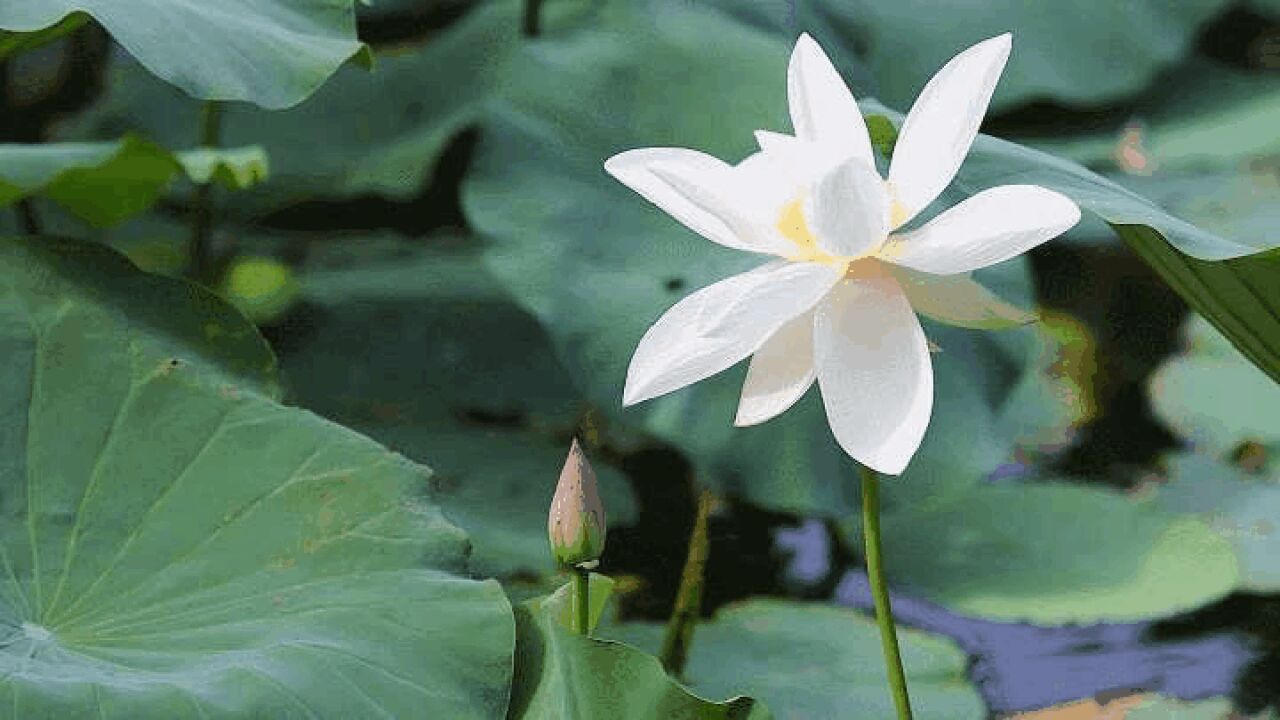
(530, 25)
(880, 593)
(582, 601)
(202, 216)
(684, 616)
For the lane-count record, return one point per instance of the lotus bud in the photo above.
(576, 523)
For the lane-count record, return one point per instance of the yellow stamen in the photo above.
(794, 227)
(898, 213)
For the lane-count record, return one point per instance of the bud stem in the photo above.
(684, 616)
(582, 601)
(880, 592)
(202, 210)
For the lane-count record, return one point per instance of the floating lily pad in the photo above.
(175, 543)
(1054, 553)
(1211, 396)
(1242, 507)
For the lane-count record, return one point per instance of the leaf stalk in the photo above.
(688, 606)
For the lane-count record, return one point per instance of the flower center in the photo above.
(898, 213)
(794, 227)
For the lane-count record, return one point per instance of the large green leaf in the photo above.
(270, 52)
(563, 676)
(108, 182)
(176, 544)
(815, 661)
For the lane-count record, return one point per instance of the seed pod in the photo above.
(576, 523)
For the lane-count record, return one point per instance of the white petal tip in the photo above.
(617, 165)
(998, 45)
(631, 395)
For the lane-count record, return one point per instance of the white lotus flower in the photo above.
(838, 301)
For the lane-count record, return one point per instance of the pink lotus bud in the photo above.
(576, 523)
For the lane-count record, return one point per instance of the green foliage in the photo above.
(994, 162)
(107, 183)
(176, 543)
(1236, 295)
(1230, 413)
(1240, 506)
(1179, 125)
(1053, 553)
(16, 43)
(537, 191)
(1210, 394)
(814, 661)
(1239, 297)
(270, 52)
(1077, 54)
(560, 675)
(362, 133)
(410, 342)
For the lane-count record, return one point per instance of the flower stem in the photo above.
(880, 593)
(202, 216)
(684, 616)
(581, 601)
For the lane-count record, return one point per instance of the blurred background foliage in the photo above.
(438, 260)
